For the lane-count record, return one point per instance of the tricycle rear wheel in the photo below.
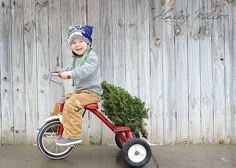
(136, 152)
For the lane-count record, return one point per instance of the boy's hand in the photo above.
(66, 75)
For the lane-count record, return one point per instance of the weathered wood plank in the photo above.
(169, 79)
(106, 55)
(156, 79)
(143, 54)
(80, 12)
(18, 73)
(182, 122)
(6, 70)
(31, 94)
(1, 58)
(67, 16)
(194, 74)
(94, 124)
(206, 76)
(229, 64)
(42, 59)
(131, 47)
(93, 12)
(218, 74)
(118, 45)
(1, 49)
(233, 107)
(106, 40)
(55, 58)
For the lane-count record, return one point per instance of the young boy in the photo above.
(86, 79)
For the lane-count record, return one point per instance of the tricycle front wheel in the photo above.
(46, 141)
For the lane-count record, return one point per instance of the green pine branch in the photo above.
(123, 109)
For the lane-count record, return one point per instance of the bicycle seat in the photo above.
(92, 106)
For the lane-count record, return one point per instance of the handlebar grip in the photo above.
(68, 77)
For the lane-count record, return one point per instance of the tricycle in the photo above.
(135, 150)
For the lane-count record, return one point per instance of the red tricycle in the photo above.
(136, 151)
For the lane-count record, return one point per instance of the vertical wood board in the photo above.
(194, 74)
(217, 40)
(206, 77)
(94, 124)
(169, 79)
(7, 80)
(131, 47)
(31, 94)
(106, 56)
(182, 120)
(42, 23)
(156, 73)
(18, 69)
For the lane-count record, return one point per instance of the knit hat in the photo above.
(82, 32)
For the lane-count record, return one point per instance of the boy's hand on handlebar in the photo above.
(65, 75)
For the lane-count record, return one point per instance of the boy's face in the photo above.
(78, 46)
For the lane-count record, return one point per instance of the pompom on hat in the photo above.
(82, 32)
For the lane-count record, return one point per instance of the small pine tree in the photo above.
(123, 109)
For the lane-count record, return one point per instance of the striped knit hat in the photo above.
(82, 32)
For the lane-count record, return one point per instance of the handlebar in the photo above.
(60, 83)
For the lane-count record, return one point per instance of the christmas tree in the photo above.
(123, 109)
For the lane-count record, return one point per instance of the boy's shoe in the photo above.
(50, 130)
(66, 142)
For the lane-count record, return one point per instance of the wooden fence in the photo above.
(176, 55)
